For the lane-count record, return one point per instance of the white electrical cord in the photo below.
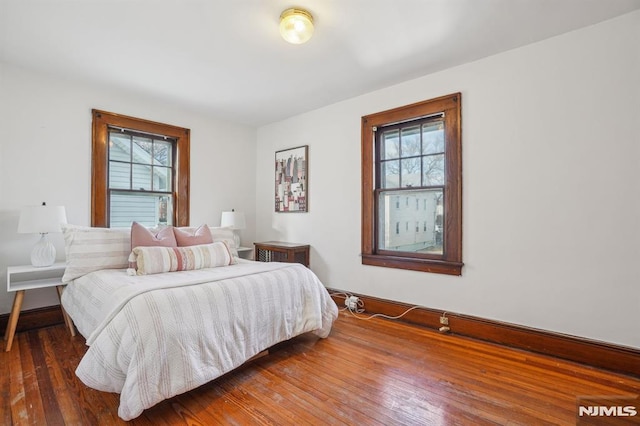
(360, 309)
(383, 315)
(343, 295)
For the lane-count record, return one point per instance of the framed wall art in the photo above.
(292, 192)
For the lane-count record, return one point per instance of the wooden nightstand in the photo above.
(279, 251)
(27, 277)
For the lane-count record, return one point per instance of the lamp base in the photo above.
(236, 238)
(44, 253)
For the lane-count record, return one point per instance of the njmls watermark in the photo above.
(608, 410)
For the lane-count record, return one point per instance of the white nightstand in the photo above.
(27, 277)
(245, 253)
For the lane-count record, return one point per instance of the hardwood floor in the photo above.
(374, 372)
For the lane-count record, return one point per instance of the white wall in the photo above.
(45, 155)
(551, 205)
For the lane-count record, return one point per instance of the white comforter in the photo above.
(156, 336)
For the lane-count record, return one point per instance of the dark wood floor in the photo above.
(366, 372)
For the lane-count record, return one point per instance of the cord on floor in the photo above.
(360, 308)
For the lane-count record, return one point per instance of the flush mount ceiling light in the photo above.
(296, 26)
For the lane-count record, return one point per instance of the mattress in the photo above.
(156, 336)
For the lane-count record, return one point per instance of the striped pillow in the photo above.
(155, 260)
(91, 249)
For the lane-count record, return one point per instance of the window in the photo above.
(415, 152)
(140, 171)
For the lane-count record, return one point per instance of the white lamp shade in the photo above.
(41, 219)
(233, 220)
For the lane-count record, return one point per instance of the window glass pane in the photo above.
(142, 150)
(410, 145)
(410, 172)
(433, 137)
(146, 208)
(165, 210)
(416, 239)
(162, 153)
(119, 146)
(141, 178)
(390, 173)
(161, 178)
(119, 175)
(433, 170)
(390, 145)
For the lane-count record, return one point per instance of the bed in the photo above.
(152, 337)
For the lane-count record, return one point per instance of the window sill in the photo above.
(413, 264)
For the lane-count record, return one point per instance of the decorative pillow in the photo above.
(91, 249)
(154, 260)
(226, 235)
(142, 236)
(192, 237)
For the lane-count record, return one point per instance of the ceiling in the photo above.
(225, 58)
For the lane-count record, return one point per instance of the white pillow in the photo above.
(226, 235)
(91, 249)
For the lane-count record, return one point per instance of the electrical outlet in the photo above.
(444, 320)
(351, 303)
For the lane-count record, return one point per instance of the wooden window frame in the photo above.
(450, 262)
(102, 120)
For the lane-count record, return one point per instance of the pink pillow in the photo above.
(143, 237)
(193, 237)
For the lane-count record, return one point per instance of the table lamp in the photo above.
(42, 220)
(234, 220)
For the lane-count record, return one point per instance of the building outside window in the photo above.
(141, 177)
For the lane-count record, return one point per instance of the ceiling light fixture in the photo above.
(296, 26)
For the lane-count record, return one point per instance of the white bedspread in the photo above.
(153, 337)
